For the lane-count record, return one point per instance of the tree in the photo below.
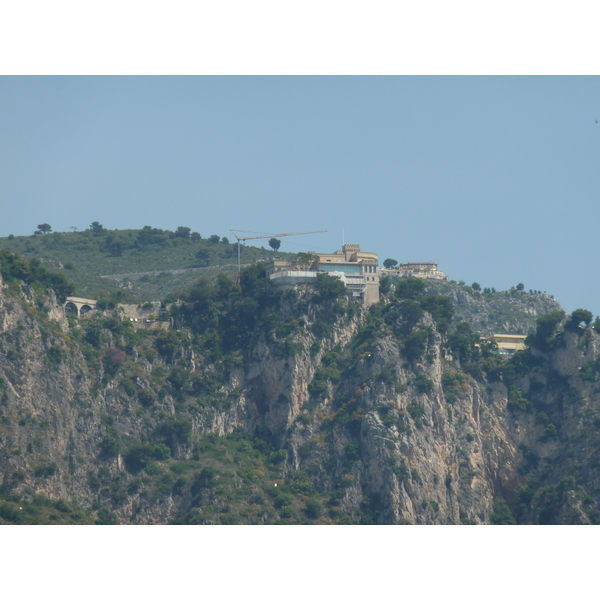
(214, 239)
(329, 287)
(313, 509)
(415, 344)
(463, 342)
(195, 237)
(96, 227)
(440, 308)
(501, 514)
(411, 312)
(390, 263)
(225, 240)
(113, 359)
(203, 255)
(476, 286)
(410, 288)
(520, 287)
(577, 316)
(544, 336)
(183, 232)
(44, 228)
(385, 285)
(174, 431)
(274, 243)
(305, 259)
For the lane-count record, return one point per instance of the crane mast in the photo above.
(263, 236)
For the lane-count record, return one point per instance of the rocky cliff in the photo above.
(320, 412)
(508, 311)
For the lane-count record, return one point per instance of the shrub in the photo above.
(317, 388)
(577, 317)
(110, 446)
(94, 334)
(416, 477)
(462, 341)
(106, 303)
(411, 312)
(174, 431)
(300, 483)
(206, 479)
(423, 383)
(9, 513)
(440, 308)
(146, 397)
(410, 288)
(415, 344)
(385, 285)
(167, 343)
(315, 347)
(282, 499)
(516, 401)
(352, 451)
(329, 287)
(107, 517)
(55, 355)
(545, 335)
(417, 412)
(313, 509)
(46, 470)
(142, 455)
(113, 359)
(129, 387)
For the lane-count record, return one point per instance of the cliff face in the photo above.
(373, 436)
(509, 311)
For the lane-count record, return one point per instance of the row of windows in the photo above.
(341, 268)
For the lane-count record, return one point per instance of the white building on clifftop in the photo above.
(358, 271)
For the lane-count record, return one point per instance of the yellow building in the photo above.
(508, 343)
(421, 270)
(358, 270)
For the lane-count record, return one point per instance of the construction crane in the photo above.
(263, 236)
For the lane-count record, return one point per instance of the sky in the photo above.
(495, 178)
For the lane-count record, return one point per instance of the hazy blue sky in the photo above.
(494, 178)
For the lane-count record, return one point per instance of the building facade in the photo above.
(358, 271)
(422, 270)
(508, 343)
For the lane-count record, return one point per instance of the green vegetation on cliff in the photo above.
(297, 407)
(148, 263)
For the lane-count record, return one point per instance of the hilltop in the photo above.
(138, 265)
(150, 265)
(489, 312)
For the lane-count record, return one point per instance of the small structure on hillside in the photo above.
(79, 306)
(358, 271)
(422, 270)
(151, 315)
(508, 343)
